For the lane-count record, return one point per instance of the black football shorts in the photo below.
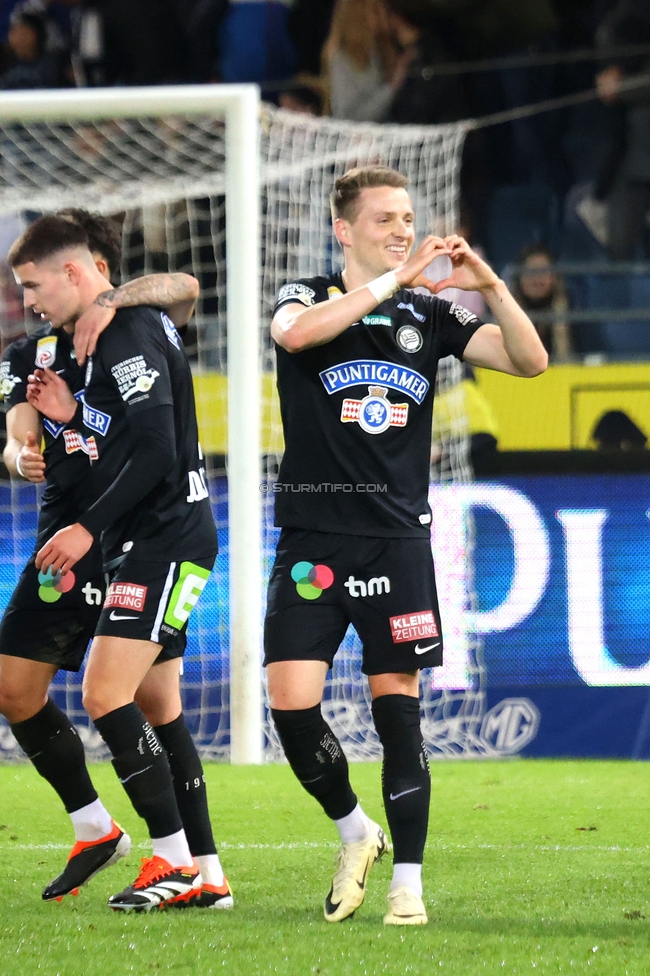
(151, 601)
(321, 582)
(53, 619)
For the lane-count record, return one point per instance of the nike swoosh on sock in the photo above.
(396, 796)
(139, 771)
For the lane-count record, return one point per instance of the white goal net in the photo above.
(163, 177)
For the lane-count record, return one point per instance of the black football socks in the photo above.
(142, 767)
(50, 741)
(316, 757)
(406, 783)
(189, 785)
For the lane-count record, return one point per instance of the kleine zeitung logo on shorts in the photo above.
(128, 596)
(413, 626)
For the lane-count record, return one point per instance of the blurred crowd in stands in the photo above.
(544, 195)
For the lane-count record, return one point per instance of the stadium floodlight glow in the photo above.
(238, 106)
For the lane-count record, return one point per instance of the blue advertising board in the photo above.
(562, 585)
(544, 586)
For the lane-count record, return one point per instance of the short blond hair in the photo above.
(347, 189)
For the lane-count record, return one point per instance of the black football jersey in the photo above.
(357, 414)
(140, 363)
(67, 473)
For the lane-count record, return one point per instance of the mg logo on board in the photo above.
(510, 726)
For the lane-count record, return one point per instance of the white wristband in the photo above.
(383, 287)
(19, 468)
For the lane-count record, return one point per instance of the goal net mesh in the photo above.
(163, 179)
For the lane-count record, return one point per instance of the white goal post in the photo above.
(238, 106)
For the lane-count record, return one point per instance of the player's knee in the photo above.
(19, 701)
(98, 702)
(156, 711)
(295, 686)
(406, 683)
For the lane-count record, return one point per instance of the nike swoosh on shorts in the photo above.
(423, 650)
(121, 616)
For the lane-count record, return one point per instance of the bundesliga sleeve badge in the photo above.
(375, 413)
(46, 351)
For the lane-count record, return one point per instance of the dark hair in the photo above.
(45, 237)
(616, 431)
(347, 189)
(533, 249)
(36, 24)
(103, 236)
(306, 95)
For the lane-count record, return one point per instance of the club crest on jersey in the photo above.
(409, 338)
(74, 441)
(375, 413)
(359, 372)
(46, 351)
(170, 330)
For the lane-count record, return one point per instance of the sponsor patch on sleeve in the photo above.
(128, 596)
(170, 330)
(297, 292)
(134, 377)
(413, 626)
(7, 380)
(46, 351)
(463, 315)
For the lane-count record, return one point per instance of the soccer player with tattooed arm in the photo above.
(54, 261)
(357, 354)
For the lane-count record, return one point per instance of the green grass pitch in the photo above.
(530, 866)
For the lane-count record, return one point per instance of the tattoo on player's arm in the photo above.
(106, 298)
(159, 290)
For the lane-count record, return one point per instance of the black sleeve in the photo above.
(76, 421)
(133, 353)
(307, 291)
(14, 371)
(455, 325)
(154, 453)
